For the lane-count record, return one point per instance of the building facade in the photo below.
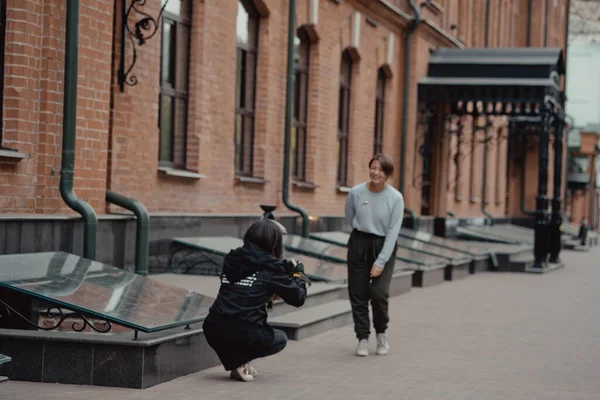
(583, 109)
(192, 120)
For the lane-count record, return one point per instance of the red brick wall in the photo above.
(34, 79)
(118, 131)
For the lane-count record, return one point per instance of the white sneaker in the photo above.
(383, 346)
(253, 370)
(362, 350)
(242, 373)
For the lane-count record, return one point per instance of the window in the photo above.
(344, 119)
(247, 46)
(379, 111)
(301, 65)
(2, 44)
(174, 83)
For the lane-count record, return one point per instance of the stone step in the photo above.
(521, 262)
(318, 293)
(456, 272)
(312, 321)
(428, 276)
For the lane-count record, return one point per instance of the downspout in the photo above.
(529, 18)
(2, 57)
(487, 23)
(142, 223)
(485, 161)
(288, 121)
(407, 63)
(90, 220)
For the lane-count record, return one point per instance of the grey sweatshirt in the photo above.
(380, 214)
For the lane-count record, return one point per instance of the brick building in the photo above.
(201, 131)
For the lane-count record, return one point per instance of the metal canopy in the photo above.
(514, 75)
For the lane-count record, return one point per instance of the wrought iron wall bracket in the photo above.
(81, 323)
(141, 31)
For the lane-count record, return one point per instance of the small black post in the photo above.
(541, 240)
(555, 242)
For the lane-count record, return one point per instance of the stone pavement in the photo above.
(488, 337)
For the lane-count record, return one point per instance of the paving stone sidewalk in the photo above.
(488, 337)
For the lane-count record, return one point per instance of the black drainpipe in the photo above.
(529, 18)
(485, 161)
(90, 220)
(407, 61)
(2, 54)
(141, 234)
(288, 122)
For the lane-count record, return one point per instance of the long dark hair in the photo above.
(266, 235)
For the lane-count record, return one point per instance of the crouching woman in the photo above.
(236, 326)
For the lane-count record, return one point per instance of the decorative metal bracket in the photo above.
(422, 144)
(81, 323)
(142, 30)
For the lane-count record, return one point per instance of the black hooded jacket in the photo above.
(250, 277)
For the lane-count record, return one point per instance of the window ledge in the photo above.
(13, 155)
(458, 198)
(180, 173)
(304, 185)
(344, 189)
(251, 179)
(474, 199)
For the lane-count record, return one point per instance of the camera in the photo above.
(296, 269)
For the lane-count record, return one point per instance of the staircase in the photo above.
(326, 307)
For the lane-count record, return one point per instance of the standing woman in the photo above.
(374, 210)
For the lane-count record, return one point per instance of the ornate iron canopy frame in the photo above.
(522, 84)
(141, 31)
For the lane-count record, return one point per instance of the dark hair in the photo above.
(386, 163)
(266, 235)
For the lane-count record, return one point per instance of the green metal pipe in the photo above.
(67, 173)
(407, 64)
(142, 227)
(288, 122)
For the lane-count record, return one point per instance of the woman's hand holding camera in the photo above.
(298, 271)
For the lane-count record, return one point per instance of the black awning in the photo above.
(494, 75)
